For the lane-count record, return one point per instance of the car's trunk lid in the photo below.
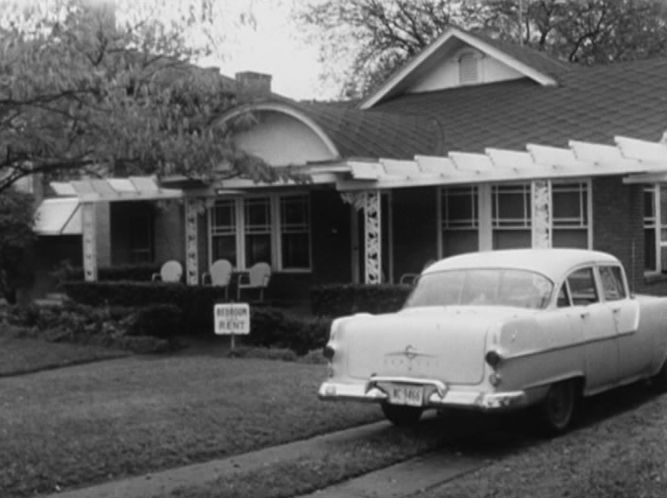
(446, 344)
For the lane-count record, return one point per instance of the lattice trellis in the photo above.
(192, 208)
(89, 242)
(370, 202)
(541, 222)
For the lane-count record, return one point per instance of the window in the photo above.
(460, 220)
(273, 229)
(257, 222)
(294, 232)
(223, 231)
(611, 278)
(570, 214)
(655, 227)
(582, 287)
(511, 216)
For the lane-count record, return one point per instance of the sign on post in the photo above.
(231, 319)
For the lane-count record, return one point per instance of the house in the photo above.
(474, 144)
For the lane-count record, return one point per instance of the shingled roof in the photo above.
(590, 104)
(373, 133)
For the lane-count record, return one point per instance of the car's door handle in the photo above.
(584, 314)
(616, 310)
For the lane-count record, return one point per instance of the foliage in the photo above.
(375, 37)
(346, 299)
(270, 327)
(142, 330)
(16, 219)
(81, 91)
(156, 320)
(196, 302)
(135, 272)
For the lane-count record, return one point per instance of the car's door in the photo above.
(596, 319)
(634, 351)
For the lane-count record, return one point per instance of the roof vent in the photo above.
(468, 68)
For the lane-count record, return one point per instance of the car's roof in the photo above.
(553, 263)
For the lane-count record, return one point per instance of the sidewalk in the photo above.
(396, 481)
(159, 484)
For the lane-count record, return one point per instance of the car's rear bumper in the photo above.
(437, 396)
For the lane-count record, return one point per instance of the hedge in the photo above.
(190, 309)
(347, 299)
(138, 272)
(195, 302)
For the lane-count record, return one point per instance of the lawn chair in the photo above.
(257, 277)
(171, 271)
(219, 275)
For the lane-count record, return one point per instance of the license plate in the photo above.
(406, 395)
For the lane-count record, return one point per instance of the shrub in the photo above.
(136, 273)
(346, 299)
(195, 302)
(156, 320)
(270, 327)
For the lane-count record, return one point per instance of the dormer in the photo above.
(459, 58)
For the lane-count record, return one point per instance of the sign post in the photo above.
(231, 319)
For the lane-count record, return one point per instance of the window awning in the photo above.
(59, 216)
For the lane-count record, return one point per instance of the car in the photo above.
(502, 330)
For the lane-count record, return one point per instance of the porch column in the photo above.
(369, 201)
(192, 207)
(540, 191)
(89, 243)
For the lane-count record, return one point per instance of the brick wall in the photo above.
(415, 229)
(618, 224)
(330, 223)
(169, 233)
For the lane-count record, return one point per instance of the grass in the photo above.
(620, 456)
(21, 355)
(92, 423)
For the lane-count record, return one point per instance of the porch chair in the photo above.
(171, 271)
(219, 275)
(257, 277)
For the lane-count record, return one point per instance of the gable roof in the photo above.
(590, 104)
(534, 65)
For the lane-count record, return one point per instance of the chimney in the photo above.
(252, 86)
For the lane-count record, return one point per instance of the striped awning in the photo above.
(58, 216)
(134, 188)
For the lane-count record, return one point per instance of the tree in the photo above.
(372, 38)
(16, 218)
(81, 91)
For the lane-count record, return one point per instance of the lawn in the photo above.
(96, 422)
(21, 355)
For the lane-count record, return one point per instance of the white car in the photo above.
(502, 330)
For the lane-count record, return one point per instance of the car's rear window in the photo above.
(482, 287)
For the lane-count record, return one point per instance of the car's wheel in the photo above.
(557, 409)
(659, 380)
(402, 415)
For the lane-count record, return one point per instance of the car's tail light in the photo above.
(493, 358)
(328, 352)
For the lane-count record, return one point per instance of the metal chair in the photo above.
(219, 275)
(171, 271)
(257, 277)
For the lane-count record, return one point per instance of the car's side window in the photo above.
(612, 283)
(582, 287)
(563, 301)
